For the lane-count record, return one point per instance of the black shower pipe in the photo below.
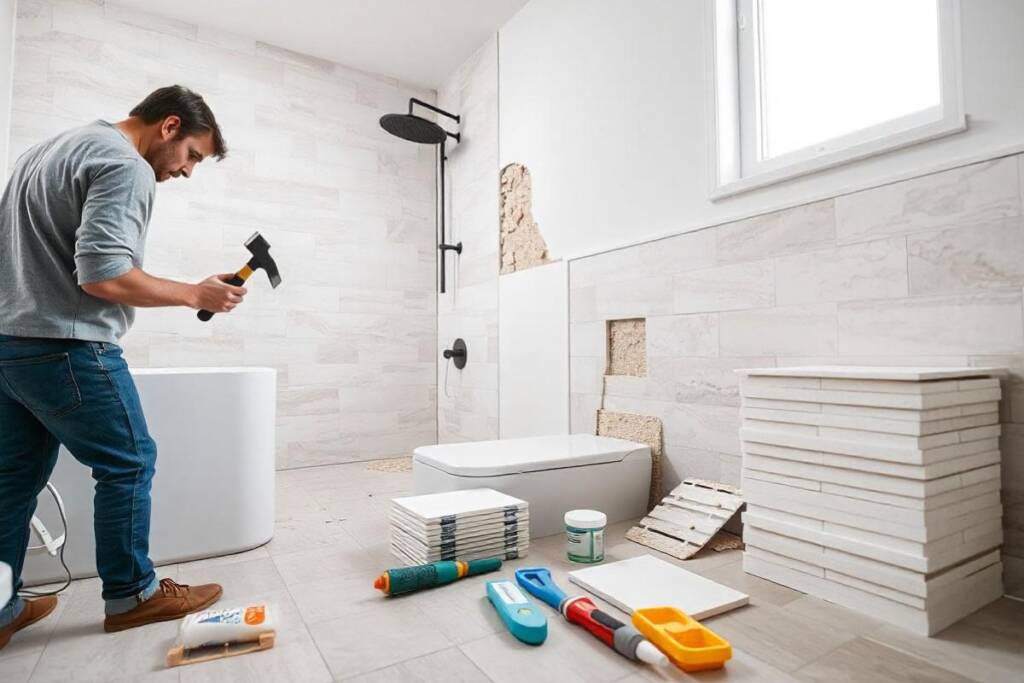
(442, 246)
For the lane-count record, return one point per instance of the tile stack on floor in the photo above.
(875, 488)
(464, 525)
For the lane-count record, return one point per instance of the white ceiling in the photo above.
(417, 41)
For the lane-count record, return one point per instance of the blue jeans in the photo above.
(80, 394)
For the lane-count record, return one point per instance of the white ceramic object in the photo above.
(213, 493)
(554, 474)
(647, 581)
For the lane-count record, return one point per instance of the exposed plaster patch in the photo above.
(627, 347)
(640, 428)
(522, 245)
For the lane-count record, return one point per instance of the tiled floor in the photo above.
(331, 541)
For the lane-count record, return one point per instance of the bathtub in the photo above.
(213, 493)
(554, 474)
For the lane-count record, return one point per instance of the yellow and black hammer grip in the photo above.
(238, 280)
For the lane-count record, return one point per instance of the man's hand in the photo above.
(138, 288)
(214, 294)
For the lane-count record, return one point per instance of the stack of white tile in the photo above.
(464, 525)
(875, 488)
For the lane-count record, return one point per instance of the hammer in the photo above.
(260, 249)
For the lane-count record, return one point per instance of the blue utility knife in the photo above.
(521, 617)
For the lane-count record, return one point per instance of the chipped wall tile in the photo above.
(627, 347)
(522, 245)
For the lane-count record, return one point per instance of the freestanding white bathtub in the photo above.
(554, 474)
(213, 493)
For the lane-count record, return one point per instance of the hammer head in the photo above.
(260, 249)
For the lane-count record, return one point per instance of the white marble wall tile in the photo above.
(586, 374)
(583, 304)
(680, 336)
(681, 462)
(610, 266)
(787, 330)
(710, 381)
(973, 323)
(651, 295)
(583, 413)
(589, 339)
(794, 230)
(970, 194)
(725, 288)
(873, 270)
(690, 251)
(985, 256)
(149, 22)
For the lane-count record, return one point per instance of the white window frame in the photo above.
(729, 148)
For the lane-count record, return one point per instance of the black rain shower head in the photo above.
(413, 128)
(416, 128)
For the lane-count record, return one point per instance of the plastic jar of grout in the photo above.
(584, 530)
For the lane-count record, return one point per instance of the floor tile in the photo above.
(772, 635)
(569, 654)
(239, 580)
(742, 668)
(988, 645)
(334, 597)
(366, 641)
(18, 668)
(32, 640)
(450, 666)
(760, 590)
(343, 558)
(864, 660)
(834, 615)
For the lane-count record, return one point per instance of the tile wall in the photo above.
(468, 407)
(927, 271)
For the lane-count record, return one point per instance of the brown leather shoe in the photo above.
(34, 610)
(171, 601)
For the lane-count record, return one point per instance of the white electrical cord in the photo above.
(50, 544)
(55, 547)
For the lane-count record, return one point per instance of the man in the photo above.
(73, 223)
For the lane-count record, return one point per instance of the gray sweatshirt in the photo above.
(75, 211)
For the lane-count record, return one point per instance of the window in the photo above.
(803, 85)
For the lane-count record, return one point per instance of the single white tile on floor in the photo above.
(239, 580)
(344, 558)
(569, 655)
(366, 641)
(332, 597)
(18, 668)
(450, 666)
(875, 662)
(984, 646)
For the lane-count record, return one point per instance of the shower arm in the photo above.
(431, 107)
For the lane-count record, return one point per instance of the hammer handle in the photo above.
(236, 281)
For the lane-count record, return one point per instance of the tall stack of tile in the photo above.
(875, 488)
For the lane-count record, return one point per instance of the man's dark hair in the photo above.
(187, 105)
